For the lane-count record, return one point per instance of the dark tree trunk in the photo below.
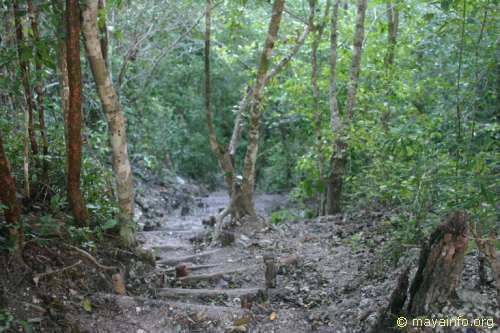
(335, 183)
(386, 322)
(75, 196)
(440, 266)
(8, 198)
(103, 29)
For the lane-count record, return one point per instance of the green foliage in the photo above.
(281, 216)
(9, 323)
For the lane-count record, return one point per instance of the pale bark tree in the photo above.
(74, 149)
(116, 123)
(339, 159)
(12, 209)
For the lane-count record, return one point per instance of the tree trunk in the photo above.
(33, 13)
(25, 77)
(392, 33)
(339, 158)
(8, 198)
(256, 112)
(103, 29)
(440, 265)
(62, 77)
(116, 123)
(75, 196)
(316, 105)
(334, 186)
(222, 155)
(359, 36)
(241, 192)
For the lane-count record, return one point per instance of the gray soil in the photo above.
(339, 284)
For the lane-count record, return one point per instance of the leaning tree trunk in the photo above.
(116, 123)
(8, 198)
(222, 154)
(75, 196)
(244, 203)
(440, 265)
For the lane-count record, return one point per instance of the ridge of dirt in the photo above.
(339, 283)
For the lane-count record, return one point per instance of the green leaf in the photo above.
(111, 223)
(87, 304)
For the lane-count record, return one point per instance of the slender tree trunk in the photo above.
(103, 29)
(337, 161)
(392, 33)
(245, 204)
(75, 196)
(116, 123)
(62, 66)
(62, 77)
(33, 13)
(222, 155)
(25, 77)
(316, 105)
(8, 198)
(241, 188)
(29, 137)
(339, 158)
(359, 35)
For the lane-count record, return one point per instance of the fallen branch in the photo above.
(92, 259)
(40, 275)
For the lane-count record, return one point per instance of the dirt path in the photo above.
(338, 284)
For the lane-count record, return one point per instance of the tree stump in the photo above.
(181, 270)
(387, 318)
(271, 270)
(440, 265)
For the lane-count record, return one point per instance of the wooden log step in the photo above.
(188, 258)
(214, 276)
(146, 311)
(210, 293)
(192, 267)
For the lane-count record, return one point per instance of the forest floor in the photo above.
(339, 282)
